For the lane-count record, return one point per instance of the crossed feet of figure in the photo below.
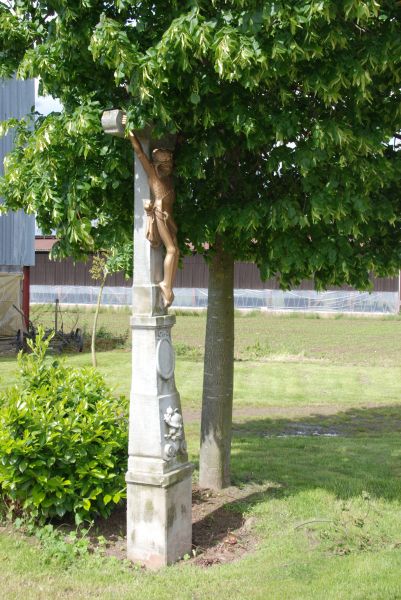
(167, 294)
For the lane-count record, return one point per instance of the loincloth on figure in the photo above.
(155, 214)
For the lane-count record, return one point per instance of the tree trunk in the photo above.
(93, 341)
(217, 402)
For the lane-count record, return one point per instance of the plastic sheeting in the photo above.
(274, 300)
(80, 294)
(10, 294)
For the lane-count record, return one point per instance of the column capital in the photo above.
(156, 322)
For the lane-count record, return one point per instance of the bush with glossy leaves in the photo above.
(63, 440)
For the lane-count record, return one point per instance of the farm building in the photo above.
(71, 283)
(17, 230)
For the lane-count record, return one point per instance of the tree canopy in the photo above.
(283, 111)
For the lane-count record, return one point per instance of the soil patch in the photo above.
(220, 531)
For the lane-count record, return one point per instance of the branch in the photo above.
(314, 521)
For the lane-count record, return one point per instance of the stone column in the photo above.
(159, 477)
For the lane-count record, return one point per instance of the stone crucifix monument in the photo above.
(159, 477)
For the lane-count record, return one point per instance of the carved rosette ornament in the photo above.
(175, 433)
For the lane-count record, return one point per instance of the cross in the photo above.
(159, 476)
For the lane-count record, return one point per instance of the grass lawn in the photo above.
(316, 454)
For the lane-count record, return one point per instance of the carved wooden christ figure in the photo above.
(161, 226)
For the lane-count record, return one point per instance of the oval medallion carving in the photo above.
(165, 359)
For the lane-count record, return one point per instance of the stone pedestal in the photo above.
(159, 476)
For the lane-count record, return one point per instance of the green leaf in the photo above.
(86, 503)
(195, 98)
(23, 465)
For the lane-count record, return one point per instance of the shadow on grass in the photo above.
(346, 454)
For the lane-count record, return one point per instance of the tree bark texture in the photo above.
(217, 402)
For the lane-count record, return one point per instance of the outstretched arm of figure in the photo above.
(137, 146)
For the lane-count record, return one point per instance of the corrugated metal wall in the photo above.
(17, 230)
(194, 274)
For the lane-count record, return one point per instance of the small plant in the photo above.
(258, 350)
(56, 545)
(101, 543)
(354, 530)
(187, 351)
(104, 334)
(104, 264)
(63, 439)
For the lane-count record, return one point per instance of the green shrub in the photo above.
(187, 351)
(63, 440)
